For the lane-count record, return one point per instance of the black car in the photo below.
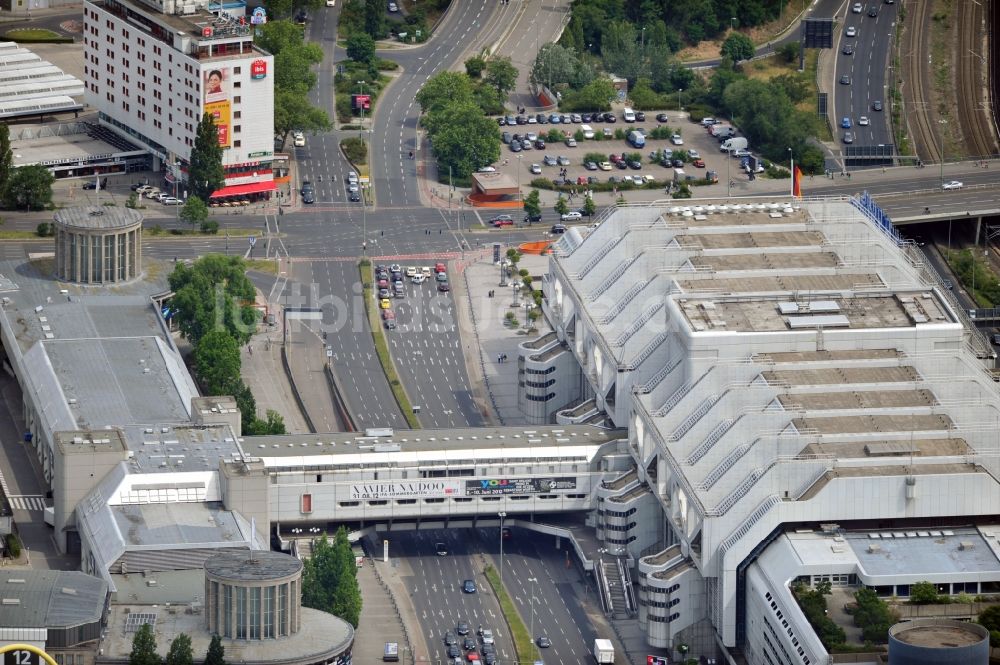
(558, 229)
(444, 287)
(640, 116)
(661, 117)
(531, 219)
(539, 144)
(468, 644)
(610, 118)
(506, 137)
(449, 638)
(309, 196)
(873, 12)
(877, 106)
(462, 628)
(587, 117)
(90, 184)
(355, 197)
(635, 165)
(521, 120)
(621, 164)
(543, 642)
(454, 651)
(678, 163)
(542, 119)
(442, 550)
(848, 49)
(501, 121)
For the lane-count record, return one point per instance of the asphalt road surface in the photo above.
(427, 349)
(534, 574)
(867, 69)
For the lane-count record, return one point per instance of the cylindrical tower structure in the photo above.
(938, 642)
(253, 595)
(98, 244)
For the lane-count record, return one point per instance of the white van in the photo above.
(628, 115)
(588, 131)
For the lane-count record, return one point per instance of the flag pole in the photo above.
(793, 178)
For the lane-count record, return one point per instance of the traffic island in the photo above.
(524, 644)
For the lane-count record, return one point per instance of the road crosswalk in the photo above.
(27, 502)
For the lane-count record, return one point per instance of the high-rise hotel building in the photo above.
(154, 67)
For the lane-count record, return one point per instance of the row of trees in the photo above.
(369, 17)
(213, 307)
(180, 652)
(667, 23)
(463, 138)
(294, 77)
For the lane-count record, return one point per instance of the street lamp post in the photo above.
(732, 23)
(361, 85)
(679, 91)
(177, 176)
(791, 168)
(942, 121)
(501, 515)
(519, 197)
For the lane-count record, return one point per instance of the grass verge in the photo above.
(20, 235)
(973, 271)
(382, 345)
(262, 265)
(524, 645)
(36, 35)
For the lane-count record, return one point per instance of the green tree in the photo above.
(622, 51)
(375, 18)
(554, 65)
(180, 651)
(561, 206)
(444, 88)
(501, 75)
(464, 140)
(144, 647)
(589, 207)
(923, 593)
(29, 188)
(293, 67)
(990, 620)
(595, 96)
(205, 173)
(6, 156)
(789, 51)
(216, 654)
(361, 47)
(873, 616)
(532, 204)
(194, 211)
(277, 35)
(292, 111)
(217, 362)
(213, 293)
(737, 47)
(329, 578)
(272, 424)
(474, 66)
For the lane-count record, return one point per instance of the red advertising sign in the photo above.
(258, 69)
(362, 101)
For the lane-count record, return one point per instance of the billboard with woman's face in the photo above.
(216, 94)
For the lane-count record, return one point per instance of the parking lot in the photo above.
(566, 159)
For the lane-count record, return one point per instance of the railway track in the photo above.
(973, 106)
(918, 113)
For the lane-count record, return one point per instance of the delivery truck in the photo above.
(604, 651)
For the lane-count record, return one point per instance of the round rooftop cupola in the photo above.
(253, 595)
(98, 244)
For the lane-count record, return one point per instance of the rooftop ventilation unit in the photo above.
(874, 548)
(966, 545)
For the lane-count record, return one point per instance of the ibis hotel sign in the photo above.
(420, 489)
(488, 486)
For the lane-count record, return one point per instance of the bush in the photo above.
(44, 230)
(343, 107)
(386, 65)
(873, 616)
(554, 136)
(661, 133)
(210, 226)
(596, 157)
(697, 112)
(924, 593)
(776, 172)
(990, 619)
(13, 545)
(355, 149)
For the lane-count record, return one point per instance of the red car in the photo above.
(581, 180)
(438, 267)
(613, 158)
(472, 657)
(700, 163)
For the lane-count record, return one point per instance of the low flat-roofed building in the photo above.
(56, 610)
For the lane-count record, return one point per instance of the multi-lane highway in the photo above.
(866, 68)
(535, 576)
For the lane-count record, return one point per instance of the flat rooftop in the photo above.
(39, 144)
(929, 551)
(770, 314)
(429, 440)
(940, 636)
(753, 239)
(842, 281)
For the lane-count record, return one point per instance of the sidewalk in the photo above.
(266, 378)
(380, 620)
(489, 335)
(389, 576)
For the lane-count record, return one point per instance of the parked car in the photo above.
(604, 166)
(549, 160)
(558, 229)
(662, 117)
(563, 160)
(502, 220)
(573, 216)
(590, 166)
(953, 184)
(676, 139)
(536, 168)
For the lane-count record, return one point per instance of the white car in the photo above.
(676, 139)
(171, 201)
(488, 169)
(331, 3)
(863, 121)
(425, 271)
(300, 141)
(352, 177)
(418, 278)
(393, 7)
(694, 154)
(574, 216)
(857, 8)
(604, 166)
(953, 184)
(487, 636)
(536, 168)
(851, 31)
(411, 271)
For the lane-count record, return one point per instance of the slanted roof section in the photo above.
(50, 598)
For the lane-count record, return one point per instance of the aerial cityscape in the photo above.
(511, 332)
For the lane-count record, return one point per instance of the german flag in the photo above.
(797, 183)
